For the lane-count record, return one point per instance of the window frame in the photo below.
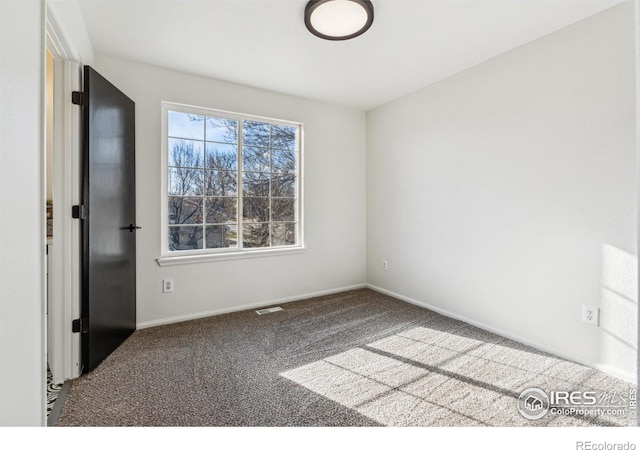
(169, 257)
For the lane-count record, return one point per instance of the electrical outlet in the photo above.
(167, 285)
(385, 265)
(590, 314)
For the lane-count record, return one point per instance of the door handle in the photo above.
(131, 228)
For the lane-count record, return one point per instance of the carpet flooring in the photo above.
(357, 358)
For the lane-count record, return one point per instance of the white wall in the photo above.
(506, 195)
(21, 244)
(22, 168)
(334, 198)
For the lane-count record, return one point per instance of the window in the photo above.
(232, 182)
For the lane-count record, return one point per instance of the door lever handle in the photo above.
(131, 228)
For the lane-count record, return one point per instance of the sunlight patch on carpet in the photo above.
(427, 377)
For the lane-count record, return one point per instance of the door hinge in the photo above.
(78, 98)
(80, 325)
(79, 212)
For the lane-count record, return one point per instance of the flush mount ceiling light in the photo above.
(338, 20)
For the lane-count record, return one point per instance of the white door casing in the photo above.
(64, 272)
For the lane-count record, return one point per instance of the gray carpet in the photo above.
(357, 358)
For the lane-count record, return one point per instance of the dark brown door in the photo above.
(109, 225)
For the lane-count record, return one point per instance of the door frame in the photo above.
(64, 272)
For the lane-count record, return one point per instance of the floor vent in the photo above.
(268, 310)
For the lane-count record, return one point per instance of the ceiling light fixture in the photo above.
(338, 20)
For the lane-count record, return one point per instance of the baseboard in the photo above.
(615, 372)
(629, 377)
(623, 375)
(217, 312)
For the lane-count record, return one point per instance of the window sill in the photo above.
(195, 259)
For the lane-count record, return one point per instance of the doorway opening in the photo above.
(53, 387)
(61, 185)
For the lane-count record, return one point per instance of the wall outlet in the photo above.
(167, 285)
(590, 314)
(385, 265)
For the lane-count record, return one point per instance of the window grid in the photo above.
(270, 197)
(281, 229)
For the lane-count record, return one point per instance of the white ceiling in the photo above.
(264, 43)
